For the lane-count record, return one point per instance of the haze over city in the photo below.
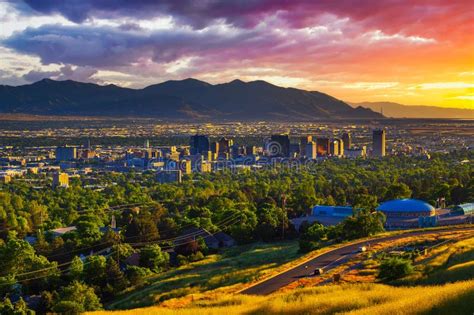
(410, 52)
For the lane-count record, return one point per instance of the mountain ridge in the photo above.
(397, 110)
(177, 99)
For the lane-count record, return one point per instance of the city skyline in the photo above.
(407, 52)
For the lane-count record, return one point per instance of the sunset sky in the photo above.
(412, 52)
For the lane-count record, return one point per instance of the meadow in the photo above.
(368, 298)
(228, 270)
(443, 283)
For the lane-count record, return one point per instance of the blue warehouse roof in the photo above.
(405, 205)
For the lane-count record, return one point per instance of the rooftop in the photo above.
(405, 205)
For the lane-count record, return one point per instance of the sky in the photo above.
(414, 52)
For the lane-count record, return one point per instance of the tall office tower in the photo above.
(87, 144)
(334, 147)
(340, 143)
(323, 147)
(347, 140)
(60, 180)
(66, 153)
(225, 145)
(378, 142)
(235, 151)
(310, 151)
(279, 146)
(199, 144)
(251, 150)
(184, 166)
(303, 142)
(294, 150)
(208, 156)
(215, 148)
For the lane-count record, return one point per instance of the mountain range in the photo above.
(185, 99)
(395, 110)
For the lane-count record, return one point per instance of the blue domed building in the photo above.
(406, 208)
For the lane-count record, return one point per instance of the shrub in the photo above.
(196, 257)
(395, 268)
(307, 246)
(136, 275)
(182, 260)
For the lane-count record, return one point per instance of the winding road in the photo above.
(329, 260)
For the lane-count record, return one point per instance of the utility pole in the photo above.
(283, 206)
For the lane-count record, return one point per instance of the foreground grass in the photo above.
(448, 263)
(454, 298)
(228, 272)
(233, 267)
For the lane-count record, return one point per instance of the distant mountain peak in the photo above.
(236, 82)
(395, 110)
(191, 81)
(177, 99)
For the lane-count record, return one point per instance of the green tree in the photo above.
(153, 258)
(94, 270)
(77, 298)
(398, 191)
(364, 223)
(76, 269)
(115, 277)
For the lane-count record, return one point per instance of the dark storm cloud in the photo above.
(190, 12)
(108, 46)
(390, 16)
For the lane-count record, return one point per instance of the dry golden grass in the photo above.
(218, 280)
(374, 299)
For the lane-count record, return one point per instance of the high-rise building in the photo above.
(224, 146)
(279, 146)
(185, 166)
(323, 147)
(66, 153)
(303, 142)
(199, 144)
(251, 150)
(215, 148)
(378, 142)
(235, 151)
(347, 140)
(310, 151)
(60, 180)
(334, 147)
(340, 143)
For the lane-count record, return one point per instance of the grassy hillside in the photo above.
(208, 286)
(448, 263)
(453, 298)
(232, 268)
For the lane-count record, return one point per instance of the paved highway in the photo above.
(327, 261)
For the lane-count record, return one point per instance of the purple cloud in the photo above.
(66, 72)
(108, 47)
(390, 16)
